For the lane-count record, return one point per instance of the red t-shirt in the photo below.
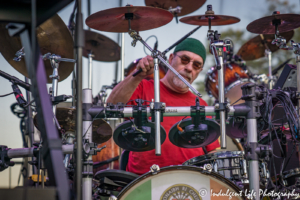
(140, 162)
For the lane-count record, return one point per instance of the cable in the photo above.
(148, 39)
(29, 104)
(6, 94)
(92, 122)
(236, 101)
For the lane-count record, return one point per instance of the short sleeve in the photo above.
(213, 145)
(137, 94)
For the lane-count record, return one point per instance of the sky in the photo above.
(104, 72)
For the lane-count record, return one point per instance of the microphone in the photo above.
(155, 45)
(19, 96)
(15, 80)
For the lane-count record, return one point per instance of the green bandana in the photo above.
(192, 45)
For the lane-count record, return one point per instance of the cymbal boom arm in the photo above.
(136, 37)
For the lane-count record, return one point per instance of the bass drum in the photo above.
(180, 182)
(162, 70)
(236, 75)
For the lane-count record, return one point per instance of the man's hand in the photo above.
(213, 151)
(147, 65)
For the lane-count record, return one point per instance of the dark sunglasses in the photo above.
(186, 60)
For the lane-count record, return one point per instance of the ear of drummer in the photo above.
(147, 65)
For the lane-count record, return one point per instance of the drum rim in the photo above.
(291, 172)
(212, 69)
(182, 168)
(238, 82)
(213, 156)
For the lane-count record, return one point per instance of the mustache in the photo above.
(189, 76)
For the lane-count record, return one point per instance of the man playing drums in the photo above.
(187, 59)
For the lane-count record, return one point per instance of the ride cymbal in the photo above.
(255, 48)
(216, 20)
(142, 18)
(266, 25)
(53, 37)
(188, 6)
(103, 48)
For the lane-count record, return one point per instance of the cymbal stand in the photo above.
(295, 47)
(157, 104)
(90, 64)
(217, 49)
(172, 46)
(268, 54)
(54, 60)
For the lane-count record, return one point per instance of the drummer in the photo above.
(188, 60)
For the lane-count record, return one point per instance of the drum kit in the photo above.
(229, 81)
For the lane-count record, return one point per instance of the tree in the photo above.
(239, 37)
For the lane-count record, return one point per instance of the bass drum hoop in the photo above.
(215, 156)
(183, 168)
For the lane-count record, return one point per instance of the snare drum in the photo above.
(235, 77)
(179, 182)
(230, 164)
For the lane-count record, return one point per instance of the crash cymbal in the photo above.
(216, 20)
(102, 131)
(66, 117)
(188, 6)
(194, 137)
(53, 37)
(143, 18)
(135, 139)
(103, 48)
(255, 48)
(265, 25)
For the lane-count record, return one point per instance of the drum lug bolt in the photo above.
(207, 167)
(151, 105)
(154, 169)
(112, 197)
(217, 106)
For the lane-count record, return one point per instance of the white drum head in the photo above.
(180, 183)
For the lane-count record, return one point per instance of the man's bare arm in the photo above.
(124, 90)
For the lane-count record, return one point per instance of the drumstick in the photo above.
(238, 144)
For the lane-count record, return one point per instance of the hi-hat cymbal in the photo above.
(265, 25)
(188, 6)
(194, 137)
(216, 20)
(66, 117)
(53, 37)
(103, 48)
(255, 48)
(143, 18)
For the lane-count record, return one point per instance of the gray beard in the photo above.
(179, 83)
